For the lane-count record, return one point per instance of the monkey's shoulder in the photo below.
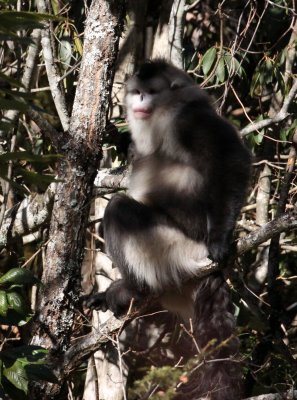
(198, 127)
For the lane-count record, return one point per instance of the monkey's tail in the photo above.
(218, 373)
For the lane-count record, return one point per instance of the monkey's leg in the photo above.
(123, 214)
(221, 222)
(126, 218)
(123, 218)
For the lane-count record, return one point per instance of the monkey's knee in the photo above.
(119, 212)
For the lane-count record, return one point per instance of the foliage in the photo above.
(22, 364)
(19, 366)
(157, 381)
(14, 309)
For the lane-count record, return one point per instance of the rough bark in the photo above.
(76, 172)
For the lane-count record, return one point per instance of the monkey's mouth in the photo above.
(142, 113)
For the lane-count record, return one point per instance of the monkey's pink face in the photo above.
(141, 104)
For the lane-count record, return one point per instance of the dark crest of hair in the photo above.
(151, 68)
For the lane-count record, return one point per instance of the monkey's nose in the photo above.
(141, 97)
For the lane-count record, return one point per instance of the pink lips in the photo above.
(142, 113)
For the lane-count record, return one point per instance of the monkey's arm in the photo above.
(224, 164)
(116, 298)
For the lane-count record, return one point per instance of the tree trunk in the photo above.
(81, 148)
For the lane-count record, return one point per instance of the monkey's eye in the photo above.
(134, 91)
(152, 91)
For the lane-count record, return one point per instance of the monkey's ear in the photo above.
(177, 84)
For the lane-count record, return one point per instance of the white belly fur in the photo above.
(163, 257)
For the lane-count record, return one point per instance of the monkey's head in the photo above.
(154, 97)
(152, 87)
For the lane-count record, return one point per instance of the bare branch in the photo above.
(48, 130)
(52, 71)
(113, 178)
(282, 224)
(175, 29)
(290, 395)
(87, 345)
(31, 59)
(280, 116)
(192, 6)
(27, 216)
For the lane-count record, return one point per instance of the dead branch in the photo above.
(284, 223)
(52, 71)
(175, 31)
(290, 395)
(31, 60)
(26, 217)
(279, 117)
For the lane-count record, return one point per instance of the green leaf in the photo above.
(268, 73)
(10, 80)
(16, 375)
(6, 35)
(208, 60)
(16, 94)
(238, 68)
(220, 72)
(16, 20)
(78, 44)
(3, 303)
(254, 84)
(35, 178)
(258, 139)
(16, 186)
(27, 156)
(232, 64)
(20, 276)
(7, 104)
(14, 318)
(17, 302)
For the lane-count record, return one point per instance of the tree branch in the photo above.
(175, 30)
(290, 395)
(52, 71)
(284, 223)
(27, 216)
(117, 179)
(112, 178)
(57, 139)
(280, 116)
(31, 60)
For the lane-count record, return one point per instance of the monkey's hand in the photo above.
(218, 251)
(117, 298)
(97, 301)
